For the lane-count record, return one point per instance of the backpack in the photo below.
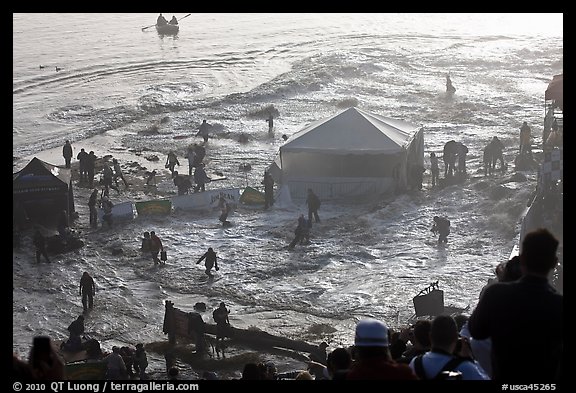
(449, 366)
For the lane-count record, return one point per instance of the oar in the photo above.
(184, 17)
(147, 27)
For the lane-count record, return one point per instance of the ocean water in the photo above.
(365, 259)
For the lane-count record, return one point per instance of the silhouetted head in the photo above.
(421, 330)
(511, 270)
(538, 254)
(443, 331)
(210, 249)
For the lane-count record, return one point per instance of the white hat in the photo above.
(371, 333)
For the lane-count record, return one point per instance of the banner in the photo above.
(156, 206)
(206, 200)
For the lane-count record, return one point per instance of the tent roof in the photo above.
(353, 131)
(39, 173)
(555, 90)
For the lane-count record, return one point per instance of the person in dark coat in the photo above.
(525, 143)
(182, 183)
(140, 360)
(199, 154)
(225, 210)
(211, 261)
(155, 247)
(171, 162)
(462, 152)
(301, 233)
(67, 153)
(268, 190)
(161, 21)
(91, 168)
(40, 243)
(496, 150)
(127, 354)
(146, 242)
(191, 156)
(76, 330)
(270, 121)
(313, 203)
(81, 157)
(92, 201)
(118, 173)
(87, 291)
(524, 318)
(204, 130)
(416, 176)
(220, 316)
(107, 206)
(200, 178)
(442, 227)
(108, 179)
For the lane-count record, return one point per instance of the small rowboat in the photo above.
(167, 29)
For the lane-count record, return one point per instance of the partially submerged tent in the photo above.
(41, 192)
(352, 153)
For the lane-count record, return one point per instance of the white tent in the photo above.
(352, 153)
